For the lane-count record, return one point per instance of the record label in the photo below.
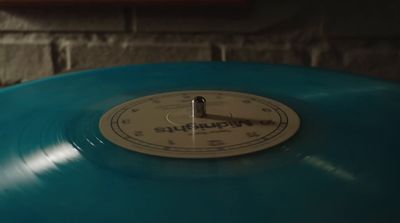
(235, 123)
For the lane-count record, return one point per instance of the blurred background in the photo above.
(354, 36)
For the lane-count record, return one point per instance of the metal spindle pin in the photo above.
(199, 107)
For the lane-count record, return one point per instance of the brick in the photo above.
(24, 61)
(257, 17)
(381, 62)
(367, 18)
(9, 83)
(331, 59)
(82, 56)
(267, 55)
(61, 19)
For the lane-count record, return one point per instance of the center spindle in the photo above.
(199, 107)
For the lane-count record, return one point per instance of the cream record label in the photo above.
(233, 123)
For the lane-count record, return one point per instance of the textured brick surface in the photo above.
(102, 55)
(378, 62)
(21, 62)
(61, 19)
(347, 35)
(257, 17)
(330, 59)
(259, 54)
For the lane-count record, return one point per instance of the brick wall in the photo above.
(361, 38)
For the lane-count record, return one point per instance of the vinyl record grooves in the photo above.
(340, 165)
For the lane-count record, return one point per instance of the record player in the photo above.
(200, 142)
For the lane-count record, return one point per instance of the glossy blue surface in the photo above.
(342, 166)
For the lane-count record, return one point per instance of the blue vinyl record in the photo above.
(338, 162)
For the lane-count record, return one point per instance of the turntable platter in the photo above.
(122, 145)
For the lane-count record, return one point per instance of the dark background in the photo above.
(355, 36)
